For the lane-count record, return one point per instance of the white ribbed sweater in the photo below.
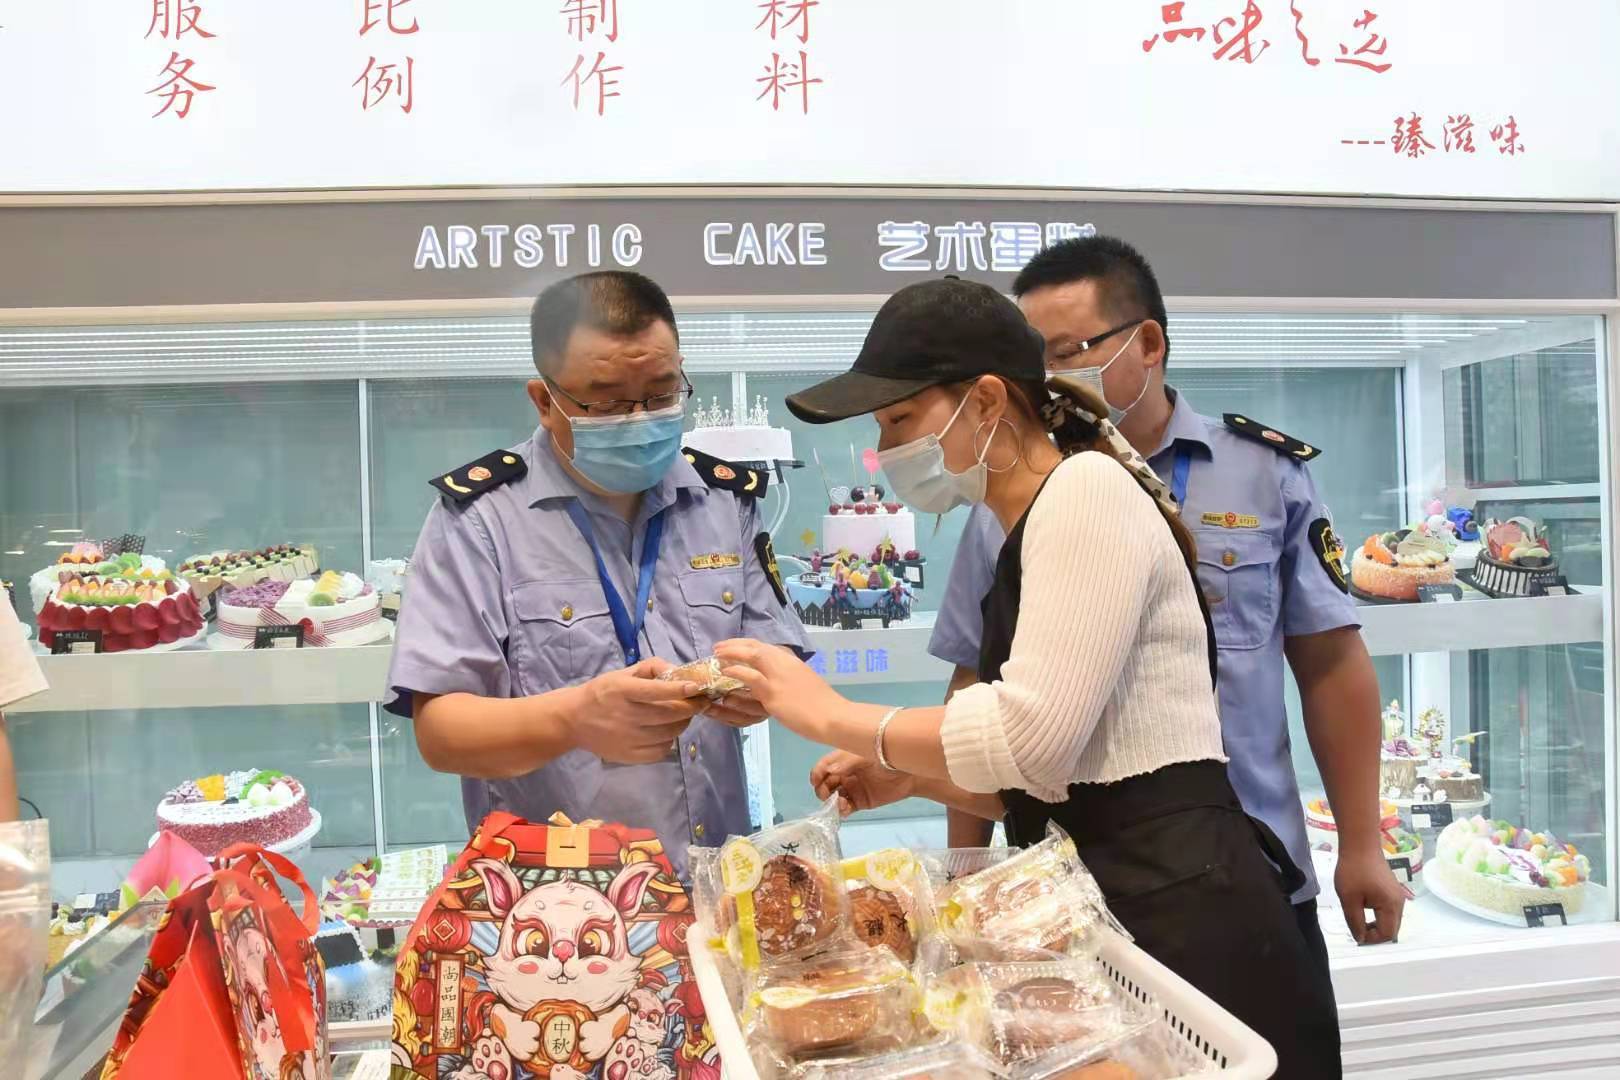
(1108, 675)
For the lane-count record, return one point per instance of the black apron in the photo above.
(1200, 884)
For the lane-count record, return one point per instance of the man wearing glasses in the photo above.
(554, 581)
(1268, 563)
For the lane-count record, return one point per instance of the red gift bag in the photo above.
(552, 952)
(232, 985)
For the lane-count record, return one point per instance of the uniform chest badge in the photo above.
(1230, 520)
(716, 561)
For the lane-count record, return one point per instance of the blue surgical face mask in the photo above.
(626, 454)
(1093, 377)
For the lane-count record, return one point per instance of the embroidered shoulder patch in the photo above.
(740, 479)
(488, 472)
(1283, 444)
(1330, 551)
(767, 559)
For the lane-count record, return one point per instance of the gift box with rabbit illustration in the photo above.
(554, 952)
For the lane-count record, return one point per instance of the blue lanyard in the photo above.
(628, 632)
(1178, 477)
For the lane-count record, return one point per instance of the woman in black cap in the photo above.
(1096, 706)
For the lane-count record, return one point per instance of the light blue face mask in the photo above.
(626, 454)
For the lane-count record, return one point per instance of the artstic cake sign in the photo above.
(1322, 96)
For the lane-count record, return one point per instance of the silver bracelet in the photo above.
(877, 743)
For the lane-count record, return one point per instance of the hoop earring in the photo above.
(1019, 456)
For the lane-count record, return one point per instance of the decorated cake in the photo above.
(92, 559)
(1400, 757)
(130, 603)
(1324, 834)
(845, 590)
(865, 520)
(336, 609)
(746, 437)
(1516, 556)
(260, 806)
(239, 569)
(1392, 565)
(1498, 867)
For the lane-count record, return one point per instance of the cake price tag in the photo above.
(1439, 594)
(914, 575)
(76, 641)
(1554, 586)
(1537, 914)
(278, 637)
(1403, 865)
(1431, 815)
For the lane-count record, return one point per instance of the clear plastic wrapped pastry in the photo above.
(850, 1000)
(706, 674)
(890, 899)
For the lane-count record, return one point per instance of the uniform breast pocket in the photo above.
(563, 634)
(1238, 572)
(714, 604)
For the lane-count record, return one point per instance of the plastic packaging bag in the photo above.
(850, 1000)
(706, 673)
(779, 891)
(1041, 897)
(940, 1059)
(891, 902)
(25, 914)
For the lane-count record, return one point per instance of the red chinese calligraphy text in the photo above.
(1171, 15)
(178, 89)
(781, 14)
(378, 81)
(1370, 51)
(174, 19)
(1459, 134)
(1240, 45)
(584, 16)
(385, 8)
(1409, 138)
(598, 74)
(783, 78)
(1506, 136)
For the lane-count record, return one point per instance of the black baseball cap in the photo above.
(928, 334)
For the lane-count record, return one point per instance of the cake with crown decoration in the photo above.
(746, 437)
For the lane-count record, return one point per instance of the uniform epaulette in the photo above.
(742, 479)
(488, 472)
(1283, 444)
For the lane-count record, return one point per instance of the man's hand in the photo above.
(860, 784)
(738, 709)
(1366, 881)
(630, 717)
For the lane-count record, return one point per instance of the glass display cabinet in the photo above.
(238, 434)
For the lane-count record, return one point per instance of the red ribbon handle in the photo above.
(310, 917)
(491, 827)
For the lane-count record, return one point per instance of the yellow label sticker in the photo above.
(890, 868)
(741, 866)
(942, 1005)
(1230, 520)
(716, 561)
(787, 997)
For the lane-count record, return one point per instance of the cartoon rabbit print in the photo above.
(560, 942)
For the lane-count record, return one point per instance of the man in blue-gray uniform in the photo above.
(555, 580)
(1269, 564)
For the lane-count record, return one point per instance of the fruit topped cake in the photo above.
(336, 609)
(261, 806)
(283, 562)
(108, 558)
(1501, 867)
(1391, 565)
(132, 605)
(1516, 555)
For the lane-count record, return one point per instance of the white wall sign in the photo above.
(1418, 97)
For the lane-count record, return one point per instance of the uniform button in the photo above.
(697, 830)
(727, 597)
(691, 751)
(649, 605)
(1228, 559)
(567, 612)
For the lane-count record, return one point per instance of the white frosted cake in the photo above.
(260, 806)
(745, 437)
(862, 533)
(336, 609)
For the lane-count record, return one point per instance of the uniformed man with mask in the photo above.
(1268, 562)
(555, 580)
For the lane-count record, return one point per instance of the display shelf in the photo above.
(198, 678)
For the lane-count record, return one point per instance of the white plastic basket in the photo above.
(1208, 1030)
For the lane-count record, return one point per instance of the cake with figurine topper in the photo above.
(1392, 566)
(744, 437)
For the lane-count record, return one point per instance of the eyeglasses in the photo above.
(1092, 342)
(626, 406)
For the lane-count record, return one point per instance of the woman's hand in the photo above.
(783, 684)
(859, 783)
